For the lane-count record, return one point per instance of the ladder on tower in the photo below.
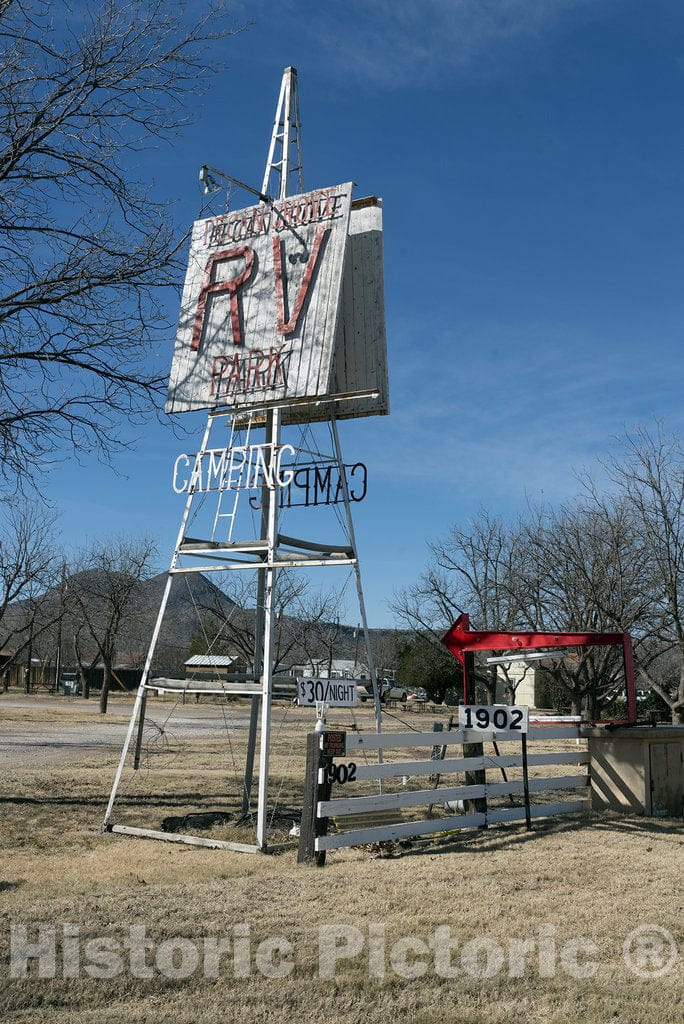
(287, 134)
(239, 484)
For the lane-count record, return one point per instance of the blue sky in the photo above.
(529, 155)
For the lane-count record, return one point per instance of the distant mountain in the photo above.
(193, 596)
(190, 599)
(194, 601)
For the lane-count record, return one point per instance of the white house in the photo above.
(338, 668)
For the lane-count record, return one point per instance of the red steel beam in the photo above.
(459, 639)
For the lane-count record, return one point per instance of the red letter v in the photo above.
(283, 327)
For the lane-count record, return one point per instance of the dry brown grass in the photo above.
(595, 878)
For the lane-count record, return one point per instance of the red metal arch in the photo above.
(461, 640)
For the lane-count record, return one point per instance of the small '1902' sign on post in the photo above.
(336, 693)
(497, 717)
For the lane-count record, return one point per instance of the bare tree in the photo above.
(78, 634)
(585, 571)
(580, 568)
(651, 481)
(27, 567)
(485, 565)
(319, 635)
(422, 662)
(474, 568)
(86, 250)
(385, 646)
(62, 629)
(105, 591)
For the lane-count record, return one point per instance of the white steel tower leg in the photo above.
(287, 117)
(357, 573)
(140, 696)
(269, 636)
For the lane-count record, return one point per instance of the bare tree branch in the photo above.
(87, 251)
(651, 482)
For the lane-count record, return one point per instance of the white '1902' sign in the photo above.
(494, 717)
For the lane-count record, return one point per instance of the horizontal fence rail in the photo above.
(454, 823)
(465, 764)
(387, 740)
(416, 797)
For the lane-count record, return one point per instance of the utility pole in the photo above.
(29, 655)
(58, 659)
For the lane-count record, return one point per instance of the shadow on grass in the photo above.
(508, 837)
(497, 837)
(148, 799)
(640, 824)
(8, 886)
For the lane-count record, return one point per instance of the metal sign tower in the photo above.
(270, 551)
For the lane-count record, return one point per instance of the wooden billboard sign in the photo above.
(283, 304)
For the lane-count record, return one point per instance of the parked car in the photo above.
(419, 694)
(389, 690)
(392, 690)
(69, 684)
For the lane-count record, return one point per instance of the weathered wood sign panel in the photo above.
(360, 356)
(260, 304)
(283, 303)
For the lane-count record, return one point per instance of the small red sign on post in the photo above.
(334, 743)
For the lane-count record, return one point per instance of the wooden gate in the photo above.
(396, 799)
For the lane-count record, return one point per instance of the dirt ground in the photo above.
(575, 921)
(51, 729)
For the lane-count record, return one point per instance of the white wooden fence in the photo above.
(345, 808)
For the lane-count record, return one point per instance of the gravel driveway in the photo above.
(27, 742)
